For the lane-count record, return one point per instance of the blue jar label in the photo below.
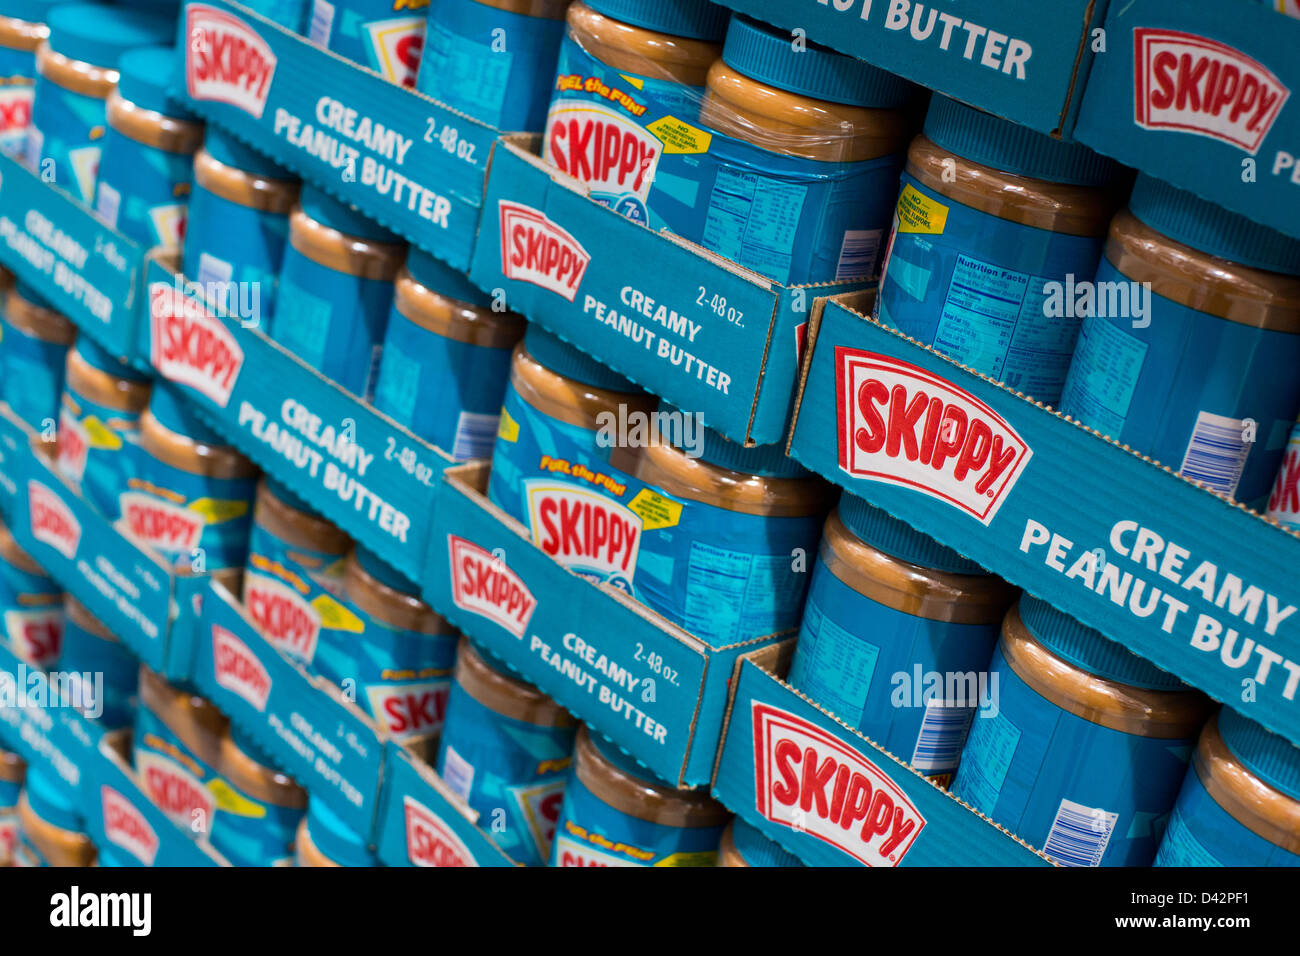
(143, 191)
(16, 94)
(175, 778)
(1084, 794)
(67, 129)
(1202, 833)
(976, 287)
(1176, 389)
(249, 832)
(512, 772)
(32, 606)
(371, 33)
(189, 518)
(99, 447)
(910, 684)
(235, 253)
(101, 675)
(292, 593)
(33, 371)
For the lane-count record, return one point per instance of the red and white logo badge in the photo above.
(410, 710)
(161, 524)
(397, 45)
(238, 670)
(176, 791)
(15, 108)
(126, 826)
(540, 805)
(609, 152)
(226, 60)
(1196, 85)
(584, 530)
(35, 635)
(74, 444)
(8, 838)
(53, 522)
(429, 841)
(191, 346)
(571, 852)
(283, 616)
(902, 425)
(535, 249)
(484, 585)
(804, 773)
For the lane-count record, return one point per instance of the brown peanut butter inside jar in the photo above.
(199, 725)
(634, 49)
(504, 694)
(1254, 804)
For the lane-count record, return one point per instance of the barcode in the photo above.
(1216, 455)
(107, 203)
(475, 436)
(1079, 834)
(858, 254)
(457, 772)
(322, 22)
(943, 733)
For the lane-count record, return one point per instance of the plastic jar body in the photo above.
(745, 845)
(325, 840)
(32, 606)
(257, 822)
(367, 32)
(12, 771)
(19, 39)
(51, 826)
(106, 672)
(33, 357)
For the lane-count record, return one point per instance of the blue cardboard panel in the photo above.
(400, 157)
(672, 318)
(330, 748)
(368, 475)
(773, 731)
(1205, 98)
(422, 823)
(1187, 579)
(653, 689)
(86, 270)
(39, 734)
(1022, 59)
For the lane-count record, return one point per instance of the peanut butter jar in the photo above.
(336, 289)
(105, 671)
(446, 358)
(12, 771)
(325, 840)
(398, 653)
(1240, 803)
(897, 634)
(257, 821)
(1086, 745)
(32, 605)
(553, 451)
(1205, 375)
(192, 499)
(384, 35)
(77, 68)
(504, 737)
(294, 579)
(52, 827)
(617, 813)
(465, 66)
(994, 223)
(99, 423)
(33, 355)
(22, 30)
(147, 163)
(745, 845)
(629, 72)
(238, 227)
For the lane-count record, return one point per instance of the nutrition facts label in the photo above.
(835, 665)
(1108, 364)
(754, 221)
(992, 744)
(734, 592)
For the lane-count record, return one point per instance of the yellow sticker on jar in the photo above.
(507, 428)
(655, 510)
(101, 436)
(335, 617)
(215, 510)
(680, 138)
(918, 213)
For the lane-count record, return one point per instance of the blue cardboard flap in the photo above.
(1191, 581)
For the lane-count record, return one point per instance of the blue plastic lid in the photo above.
(563, 359)
(147, 74)
(768, 461)
(756, 849)
(1271, 757)
(1087, 649)
(176, 414)
(1186, 218)
(328, 211)
(767, 54)
(436, 276)
(100, 34)
(96, 356)
(52, 800)
(30, 11)
(336, 840)
(229, 151)
(612, 753)
(884, 532)
(992, 141)
(693, 19)
(385, 573)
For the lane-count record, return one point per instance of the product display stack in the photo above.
(767, 433)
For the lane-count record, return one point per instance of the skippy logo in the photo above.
(283, 617)
(16, 108)
(584, 530)
(611, 154)
(177, 792)
(409, 710)
(484, 585)
(192, 347)
(1189, 83)
(36, 636)
(53, 523)
(227, 61)
(429, 841)
(74, 444)
(845, 799)
(238, 670)
(159, 523)
(901, 425)
(126, 826)
(536, 250)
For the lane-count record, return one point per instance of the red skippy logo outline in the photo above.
(126, 826)
(429, 840)
(238, 669)
(226, 60)
(52, 521)
(1185, 82)
(190, 346)
(484, 585)
(966, 453)
(835, 786)
(538, 250)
